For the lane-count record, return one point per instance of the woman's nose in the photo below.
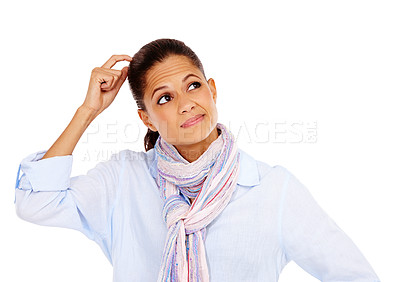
(185, 103)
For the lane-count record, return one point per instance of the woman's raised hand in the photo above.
(104, 84)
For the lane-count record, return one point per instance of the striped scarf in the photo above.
(211, 179)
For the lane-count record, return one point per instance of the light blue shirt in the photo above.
(270, 220)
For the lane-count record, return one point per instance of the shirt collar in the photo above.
(248, 170)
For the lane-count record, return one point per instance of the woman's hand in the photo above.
(104, 84)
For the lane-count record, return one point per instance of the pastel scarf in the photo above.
(211, 179)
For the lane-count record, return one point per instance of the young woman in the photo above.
(193, 206)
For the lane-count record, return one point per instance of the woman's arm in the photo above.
(104, 85)
(312, 239)
(65, 144)
(45, 193)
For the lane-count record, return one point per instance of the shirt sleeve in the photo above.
(314, 241)
(45, 194)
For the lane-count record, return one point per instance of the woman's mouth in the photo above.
(192, 121)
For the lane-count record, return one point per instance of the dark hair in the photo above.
(150, 54)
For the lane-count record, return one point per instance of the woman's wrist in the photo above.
(87, 114)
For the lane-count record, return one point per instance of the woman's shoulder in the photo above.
(135, 159)
(252, 165)
(128, 155)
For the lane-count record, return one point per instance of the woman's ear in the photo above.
(146, 119)
(211, 84)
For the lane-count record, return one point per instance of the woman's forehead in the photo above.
(170, 67)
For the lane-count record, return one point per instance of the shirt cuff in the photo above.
(50, 174)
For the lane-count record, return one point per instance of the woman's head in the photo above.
(169, 85)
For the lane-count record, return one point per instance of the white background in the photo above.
(334, 65)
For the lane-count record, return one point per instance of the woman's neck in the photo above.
(193, 151)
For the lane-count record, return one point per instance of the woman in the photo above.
(193, 206)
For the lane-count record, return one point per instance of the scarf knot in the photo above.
(175, 209)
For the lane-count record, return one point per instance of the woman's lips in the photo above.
(193, 121)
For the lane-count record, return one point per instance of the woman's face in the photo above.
(177, 91)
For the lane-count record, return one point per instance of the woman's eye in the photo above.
(198, 84)
(165, 97)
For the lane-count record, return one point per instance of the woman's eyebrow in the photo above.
(189, 75)
(158, 88)
(183, 80)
